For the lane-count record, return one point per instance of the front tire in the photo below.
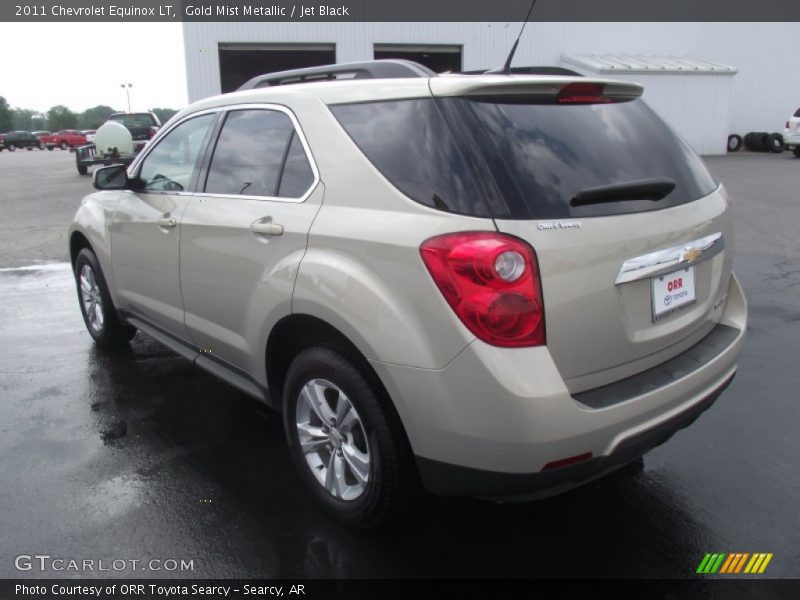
(796, 151)
(63, 145)
(95, 302)
(346, 440)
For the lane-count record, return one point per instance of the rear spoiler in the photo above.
(561, 90)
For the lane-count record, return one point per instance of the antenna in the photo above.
(506, 70)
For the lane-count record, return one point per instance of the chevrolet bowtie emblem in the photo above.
(691, 254)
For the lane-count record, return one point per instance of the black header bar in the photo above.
(305, 11)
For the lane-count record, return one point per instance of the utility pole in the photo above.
(127, 89)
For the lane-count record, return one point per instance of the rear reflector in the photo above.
(565, 462)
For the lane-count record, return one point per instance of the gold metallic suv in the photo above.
(492, 285)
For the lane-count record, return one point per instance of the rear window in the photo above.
(142, 120)
(797, 113)
(521, 160)
(543, 155)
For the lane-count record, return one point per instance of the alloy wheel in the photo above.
(333, 440)
(91, 298)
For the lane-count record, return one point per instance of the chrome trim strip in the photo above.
(241, 106)
(670, 259)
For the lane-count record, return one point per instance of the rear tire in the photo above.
(357, 462)
(11, 147)
(41, 146)
(796, 151)
(97, 309)
(50, 148)
(63, 145)
(734, 142)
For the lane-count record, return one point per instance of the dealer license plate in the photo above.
(672, 292)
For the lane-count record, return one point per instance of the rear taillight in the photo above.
(787, 125)
(491, 281)
(582, 93)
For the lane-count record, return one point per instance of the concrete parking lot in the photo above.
(137, 455)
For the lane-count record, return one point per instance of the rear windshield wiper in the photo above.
(642, 189)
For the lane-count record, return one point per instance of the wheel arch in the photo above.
(77, 242)
(297, 332)
(294, 333)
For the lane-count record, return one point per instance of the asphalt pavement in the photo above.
(136, 455)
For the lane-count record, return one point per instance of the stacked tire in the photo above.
(735, 142)
(764, 142)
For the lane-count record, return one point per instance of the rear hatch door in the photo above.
(631, 232)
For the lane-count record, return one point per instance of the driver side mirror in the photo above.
(114, 177)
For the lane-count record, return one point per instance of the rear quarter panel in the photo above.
(362, 272)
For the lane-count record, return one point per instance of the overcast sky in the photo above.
(87, 68)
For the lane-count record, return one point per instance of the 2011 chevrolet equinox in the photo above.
(491, 285)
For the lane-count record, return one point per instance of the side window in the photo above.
(410, 143)
(169, 166)
(297, 175)
(253, 147)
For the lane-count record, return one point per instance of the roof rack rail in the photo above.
(374, 69)
(542, 70)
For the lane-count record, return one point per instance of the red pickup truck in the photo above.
(47, 138)
(69, 138)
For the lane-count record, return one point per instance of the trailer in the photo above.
(86, 156)
(118, 144)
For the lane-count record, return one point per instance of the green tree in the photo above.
(93, 117)
(164, 114)
(38, 122)
(60, 117)
(6, 117)
(23, 118)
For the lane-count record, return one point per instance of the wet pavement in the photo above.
(137, 455)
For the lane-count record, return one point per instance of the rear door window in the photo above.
(297, 175)
(258, 153)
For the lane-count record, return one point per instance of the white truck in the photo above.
(791, 135)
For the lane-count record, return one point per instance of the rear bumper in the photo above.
(452, 480)
(489, 422)
(791, 139)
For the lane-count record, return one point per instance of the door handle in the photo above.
(266, 226)
(167, 222)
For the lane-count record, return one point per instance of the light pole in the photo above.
(127, 89)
